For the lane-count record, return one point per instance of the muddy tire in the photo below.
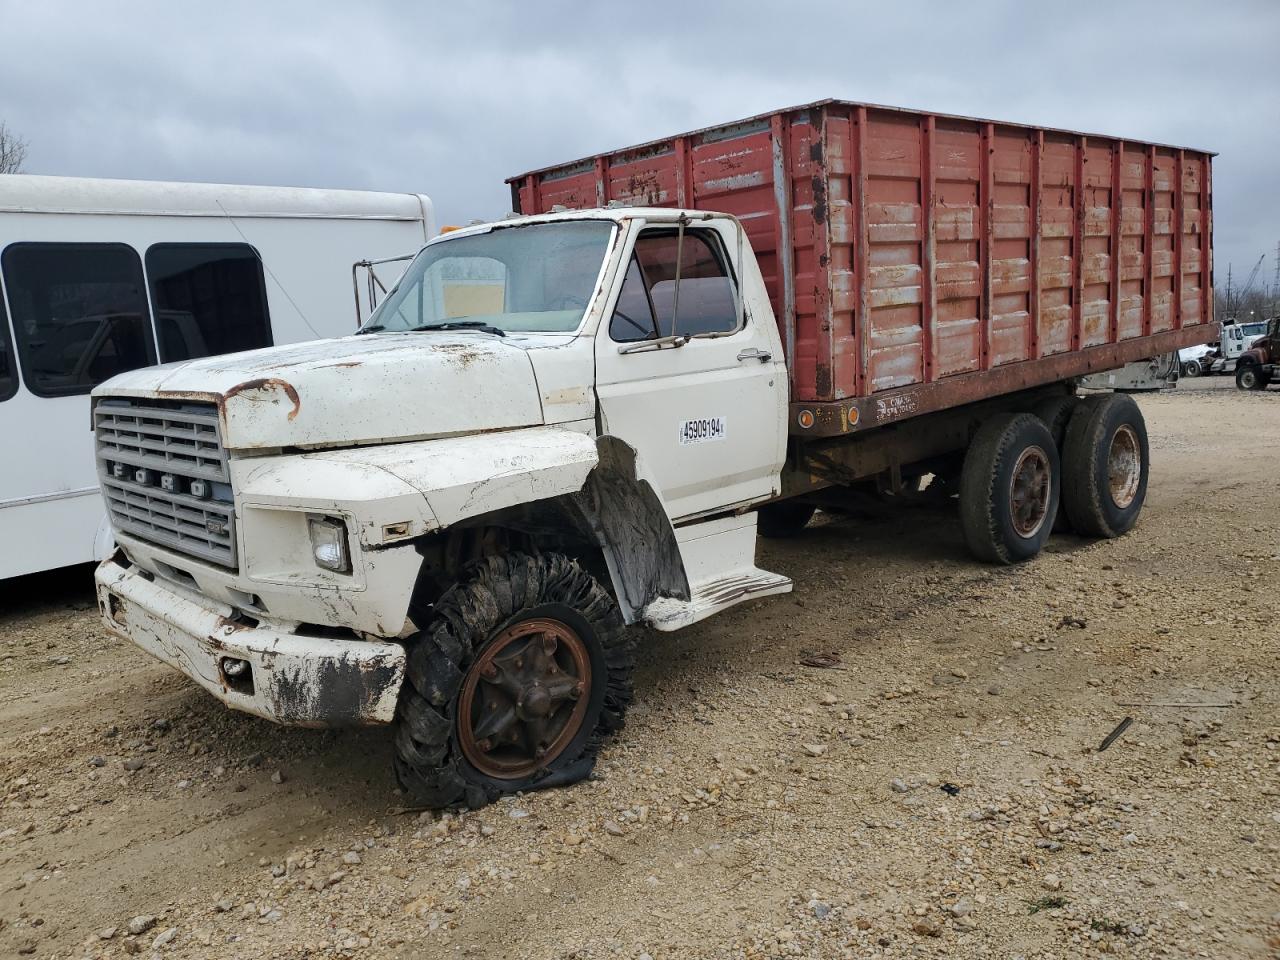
(518, 676)
(1055, 413)
(1009, 489)
(786, 518)
(1106, 460)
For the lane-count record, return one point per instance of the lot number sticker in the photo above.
(702, 430)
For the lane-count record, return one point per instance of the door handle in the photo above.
(755, 353)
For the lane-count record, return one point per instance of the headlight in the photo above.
(329, 544)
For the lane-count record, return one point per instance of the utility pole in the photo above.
(1275, 285)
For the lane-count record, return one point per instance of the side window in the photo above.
(633, 315)
(647, 305)
(209, 298)
(8, 369)
(79, 313)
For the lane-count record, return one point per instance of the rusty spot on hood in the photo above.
(267, 383)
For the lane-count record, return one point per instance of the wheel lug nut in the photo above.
(485, 745)
(488, 671)
(577, 690)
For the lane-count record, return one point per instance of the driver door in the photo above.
(706, 413)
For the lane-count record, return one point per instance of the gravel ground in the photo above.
(940, 792)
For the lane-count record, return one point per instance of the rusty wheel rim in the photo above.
(1124, 466)
(1029, 492)
(524, 699)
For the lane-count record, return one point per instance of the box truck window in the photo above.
(8, 368)
(647, 303)
(8, 372)
(209, 298)
(79, 313)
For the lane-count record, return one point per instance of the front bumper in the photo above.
(292, 678)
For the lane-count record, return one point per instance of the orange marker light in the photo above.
(805, 419)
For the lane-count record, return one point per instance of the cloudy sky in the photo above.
(449, 99)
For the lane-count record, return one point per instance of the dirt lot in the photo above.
(940, 794)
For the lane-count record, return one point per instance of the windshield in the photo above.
(536, 277)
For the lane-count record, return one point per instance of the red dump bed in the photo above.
(918, 261)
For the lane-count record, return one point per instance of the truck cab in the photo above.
(540, 406)
(1259, 366)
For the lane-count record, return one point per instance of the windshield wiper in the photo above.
(446, 325)
(460, 325)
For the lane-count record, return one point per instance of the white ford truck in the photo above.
(554, 427)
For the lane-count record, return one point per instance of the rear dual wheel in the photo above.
(1009, 488)
(1107, 461)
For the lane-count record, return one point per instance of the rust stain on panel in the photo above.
(266, 383)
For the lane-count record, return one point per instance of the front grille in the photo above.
(165, 477)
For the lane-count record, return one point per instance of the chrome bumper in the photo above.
(290, 678)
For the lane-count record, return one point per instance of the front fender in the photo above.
(463, 477)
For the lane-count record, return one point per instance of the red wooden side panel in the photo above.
(1057, 243)
(802, 141)
(1195, 232)
(895, 234)
(1011, 226)
(1095, 311)
(958, 222)
(1164, 177)
(900, 248)
(841, 170)
(1133, 229)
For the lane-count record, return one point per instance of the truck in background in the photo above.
(566, 423)
(102, 276)
(1259, 366)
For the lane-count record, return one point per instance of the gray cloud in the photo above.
(449, 99)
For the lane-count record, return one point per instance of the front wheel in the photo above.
(1192, 368)
(1009, 488)
(521, 671)
(1249, 377)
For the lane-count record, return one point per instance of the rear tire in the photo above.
(1192, 368)
(1106, 460)
(786, 518)
(1055, 413)
(1009, 489)
(500, 646)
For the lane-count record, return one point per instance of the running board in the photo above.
(719, 559)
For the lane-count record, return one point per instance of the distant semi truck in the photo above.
(578, 419)
(102, 276)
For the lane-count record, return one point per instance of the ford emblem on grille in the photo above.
(216, 526)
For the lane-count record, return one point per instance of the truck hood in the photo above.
(359, 389)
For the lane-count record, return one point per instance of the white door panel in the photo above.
(708, 415)
(649, 398)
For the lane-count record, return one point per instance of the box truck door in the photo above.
(706, 413)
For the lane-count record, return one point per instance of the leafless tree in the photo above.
(13, 151)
